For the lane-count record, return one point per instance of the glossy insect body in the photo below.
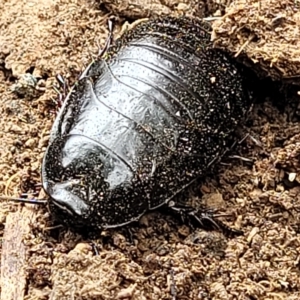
(142, 124)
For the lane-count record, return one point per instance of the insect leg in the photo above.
(109, 39)
(204, 216)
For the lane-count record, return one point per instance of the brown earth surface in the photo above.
(258, 183)
(264, 34)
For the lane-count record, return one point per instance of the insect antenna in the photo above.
(24, 200)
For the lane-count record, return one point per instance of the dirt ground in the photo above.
(258, 183)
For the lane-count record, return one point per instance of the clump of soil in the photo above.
(265, 33)
(133, 9)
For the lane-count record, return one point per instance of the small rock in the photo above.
(292, 176)
(26, 86)
(127, 293)
(15, 128)
(30, 143)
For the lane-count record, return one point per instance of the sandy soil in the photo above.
(159, 258)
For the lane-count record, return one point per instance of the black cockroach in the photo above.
(142, 124)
